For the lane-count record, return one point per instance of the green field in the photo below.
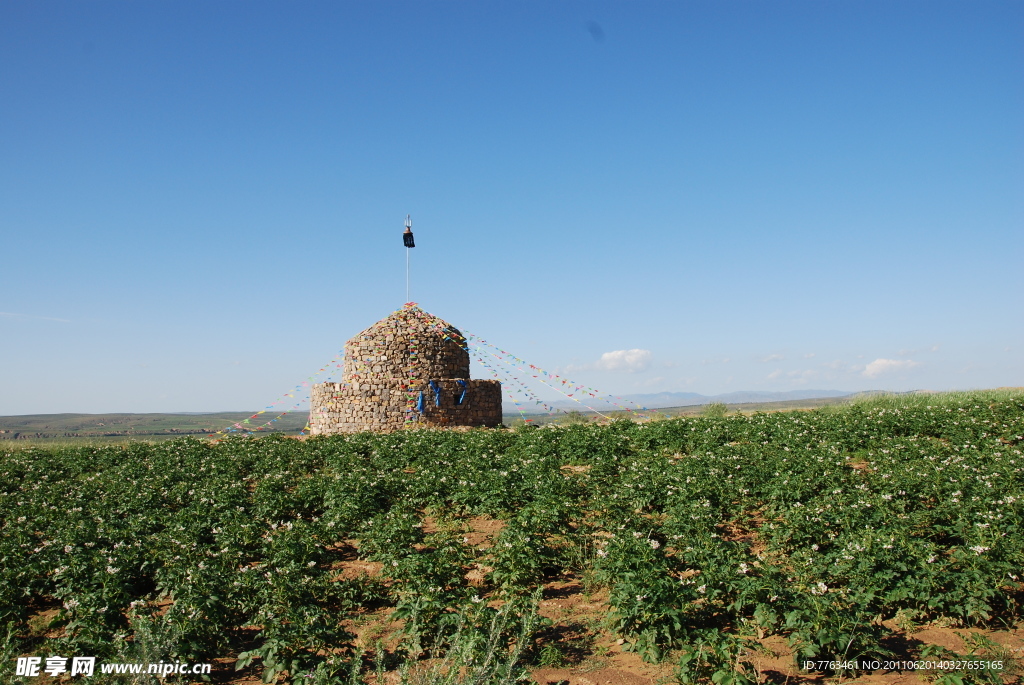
(442, 556)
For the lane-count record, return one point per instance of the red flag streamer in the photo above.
(510, 379)
(519, 368)
(238, 425)
(519, 363)
(539, 374)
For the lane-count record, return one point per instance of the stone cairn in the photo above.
(408, 370)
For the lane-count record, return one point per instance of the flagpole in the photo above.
(407, 240)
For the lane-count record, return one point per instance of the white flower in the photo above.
(814, 547)
(743, 568)
(602, 553)
(932, 558)
(111, 570)
(978, 549)
(702, 589)
(654, 544)
(819, 588)
(477, 599)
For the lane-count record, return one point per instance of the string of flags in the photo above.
(507, 387)
(558, 383)
(565, 386)
(300, 393)
(512, 383)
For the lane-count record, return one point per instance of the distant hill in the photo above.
(140, 426)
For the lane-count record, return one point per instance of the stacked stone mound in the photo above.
(408, 370)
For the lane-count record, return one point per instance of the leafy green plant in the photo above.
(714, 410)
(551, 656)
(718, 658)
(575, 417)
(486, 646)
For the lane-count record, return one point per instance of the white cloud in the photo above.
(772, 358)
(881, 366)
(630, 361)
(775, 374)
(809, 355)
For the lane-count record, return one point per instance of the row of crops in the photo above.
(706, 532)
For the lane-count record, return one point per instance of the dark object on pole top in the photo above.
(407, 236)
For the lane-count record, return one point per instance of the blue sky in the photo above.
(200, 202)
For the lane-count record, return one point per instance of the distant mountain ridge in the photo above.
(660, 400)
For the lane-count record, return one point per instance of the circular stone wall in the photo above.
(410, 369)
